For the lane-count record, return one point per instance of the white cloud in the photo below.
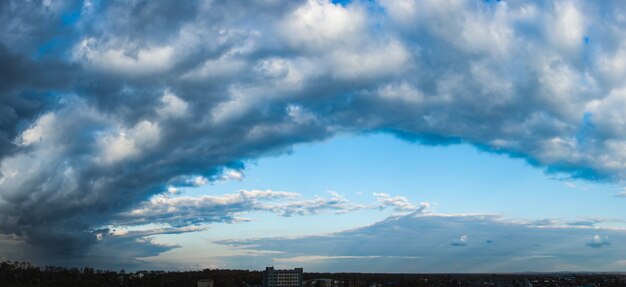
(568, 28)
(385, 60)
(399, 203)
(36, 133)
(127, 143)
(319, 25)
(403, 11)
(232, 174)
(199, 181)
(173, 106)
(402, 91)
(124, 58)
(181, 211)
(173, 190)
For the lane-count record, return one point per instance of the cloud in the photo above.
(233, 175)
(598, 241)
(336, 202)
(592, 221)
(103, 106)
(399, 203)
(431, 243)
(131, 248)
(24, 92)
(183, 211)
(461, 241)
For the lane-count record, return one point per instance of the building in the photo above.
(323, 282)
(282, 278)
(205, 283)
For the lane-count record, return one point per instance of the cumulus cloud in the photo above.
(104, 105)
(448, 243)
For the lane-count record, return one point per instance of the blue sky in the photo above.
(417, 135)
(456, 180)
(459, 178)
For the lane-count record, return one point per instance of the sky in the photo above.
(367, 136)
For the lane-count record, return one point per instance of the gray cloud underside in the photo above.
(105, 104)
(447, 243)
(126, 250)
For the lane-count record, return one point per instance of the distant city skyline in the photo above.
(338, 136)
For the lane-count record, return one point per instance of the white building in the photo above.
(282, 278)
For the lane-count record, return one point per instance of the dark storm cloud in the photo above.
(27, 89)
(116, 249)
(107, 103)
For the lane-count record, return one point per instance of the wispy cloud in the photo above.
(451, 243)
(399, 203)
(180, 211)
(184, 211)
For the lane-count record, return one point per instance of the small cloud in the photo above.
(598, 241)
(399, 203)
(199, 181)
(173, 190)
(232, 174)
(461, 241)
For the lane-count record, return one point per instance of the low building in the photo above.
(282, 278)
